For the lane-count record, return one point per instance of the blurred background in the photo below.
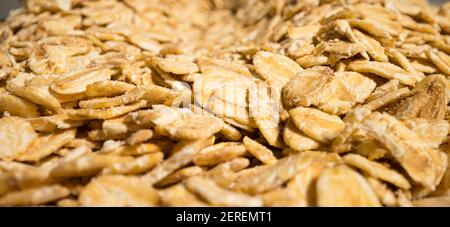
(6, 5)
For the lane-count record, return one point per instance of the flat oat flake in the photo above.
(427, 100)
(383, 69)
(193, 127)
(139, 165)
(265, 114)
(46, 145)
(35, 89)
(108, 113)
(17, 106)
(34, 196)
(422, 162)
(317, 124)
(218, 196)
(349, 89)
(307, 87)
(218, 153)
(376, 170)
(259, 151)
(184, 153)
(98, 103)
(275, 68)
(16, 134)
(276, 174)
(88, 164)
(178, 195)
(384, 193)
(296, 139)
(330, 185)
(177, 64)
(78, 81)
(180, 175)
(118, 191)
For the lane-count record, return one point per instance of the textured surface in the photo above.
(225, 103)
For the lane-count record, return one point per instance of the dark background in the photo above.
(6, 5)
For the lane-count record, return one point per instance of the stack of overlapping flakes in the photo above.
(225, 103)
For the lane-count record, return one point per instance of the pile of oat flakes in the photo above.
(225, 103)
